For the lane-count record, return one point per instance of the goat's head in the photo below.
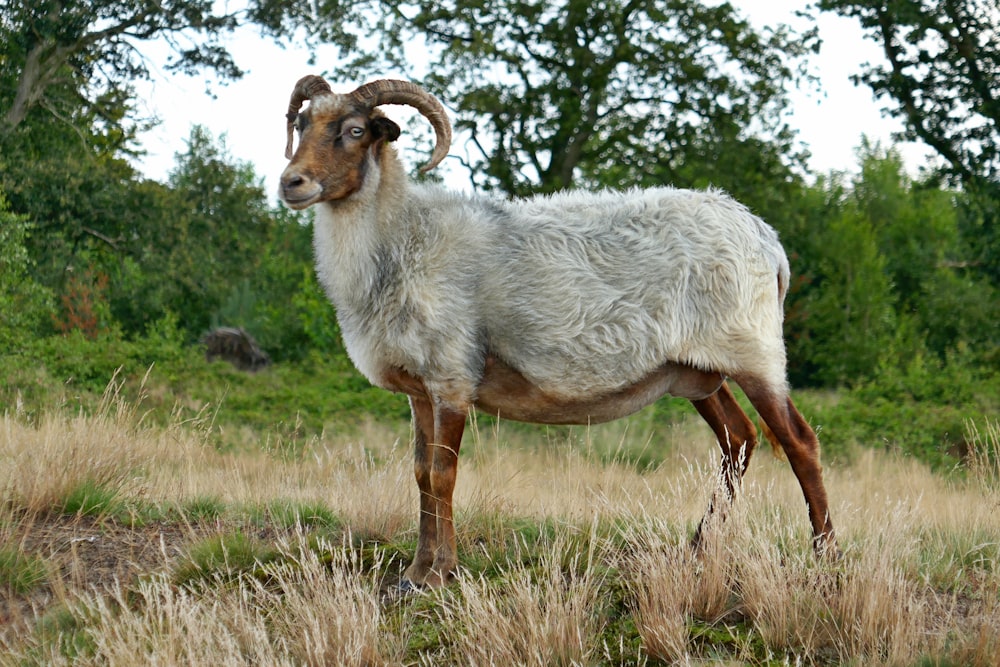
(340, 134)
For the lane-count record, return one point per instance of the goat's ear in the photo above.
(384, 129)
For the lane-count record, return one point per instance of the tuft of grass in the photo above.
(332, 609)
(62, 633)
(222, 557)
(527, 615)
(292, 514)
(983, 460)
(306, 610)
(21, 573)
(90, 498)
(660, 586)
(203, 508)
(71, 464)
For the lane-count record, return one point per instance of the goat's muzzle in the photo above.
(297, 190)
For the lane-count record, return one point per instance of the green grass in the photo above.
(203, 508)
(920, 411)
(21, 573)
(91, 498)
(222, 558)
(288, 514)
(65, 628)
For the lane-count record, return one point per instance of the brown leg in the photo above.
(737, 438)
(801, 446)
(448, 427)
(423, 434)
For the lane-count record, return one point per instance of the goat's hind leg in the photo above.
(801, 446)
(737, 439)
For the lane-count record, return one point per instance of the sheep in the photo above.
(574, 308)
(235, 346)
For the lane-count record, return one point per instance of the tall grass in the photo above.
(573, 551)
(43, 464)
(984, 454)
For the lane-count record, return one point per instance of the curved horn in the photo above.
(306, 88)
(392, 91)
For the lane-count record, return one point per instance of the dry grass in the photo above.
(570, 559)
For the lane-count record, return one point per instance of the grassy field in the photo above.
(126, 541)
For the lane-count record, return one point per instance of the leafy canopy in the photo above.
(557, 93)
(64, 57)
(941, 77)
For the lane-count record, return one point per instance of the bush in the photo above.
(24, 303)
(919, 410)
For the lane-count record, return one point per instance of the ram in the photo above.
(574, 308)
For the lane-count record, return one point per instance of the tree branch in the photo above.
(904, 94)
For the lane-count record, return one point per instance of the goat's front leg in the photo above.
(449, 423)
(423, 455)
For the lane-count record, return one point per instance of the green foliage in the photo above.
(293, 400)
(920, 409)
(90, 498)
(316, 316)
(594, 93)
(880, 277)
(21, 573)
(222, 558)
(939, 77)
(74, 59)
(212, 247)
(88, 365)
(23, 301)
(851, 316)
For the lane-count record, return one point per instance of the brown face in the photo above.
(337, 143)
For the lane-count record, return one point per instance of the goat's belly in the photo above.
(506, 392)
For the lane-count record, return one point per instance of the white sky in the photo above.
(250, 112)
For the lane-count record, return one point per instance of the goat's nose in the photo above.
(292, 180)
(297, 189)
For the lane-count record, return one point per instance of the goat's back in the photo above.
(591, 291)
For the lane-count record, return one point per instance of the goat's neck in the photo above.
(349, 234)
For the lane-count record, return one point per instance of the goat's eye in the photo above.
(357, 132)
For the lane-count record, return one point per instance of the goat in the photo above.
(574, 308)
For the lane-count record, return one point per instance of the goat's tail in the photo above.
(784, 280)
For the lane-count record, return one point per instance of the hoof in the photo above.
(826, 548)
(407, 587)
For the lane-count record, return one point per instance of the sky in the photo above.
(249, 113)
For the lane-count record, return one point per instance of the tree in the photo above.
(841, 319)
(556, 93)
(64, 56)
(23, 302)
(880, 277)
(74, 193)
(941, 77)
(213, 235)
